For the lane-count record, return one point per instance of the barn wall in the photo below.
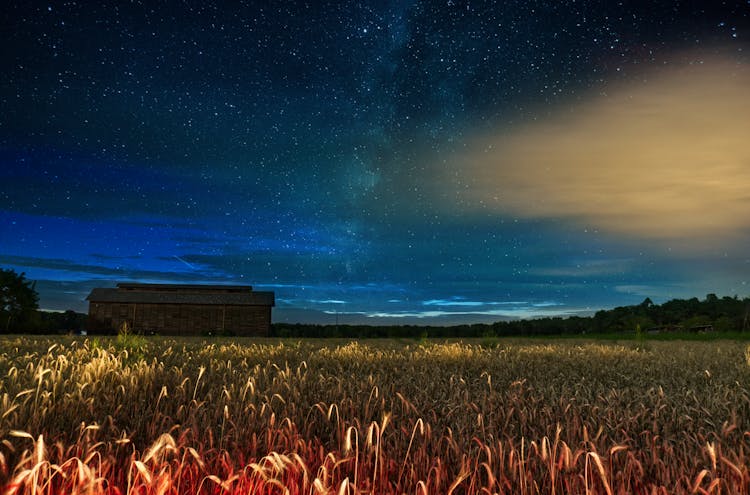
(181, 319)
(108, 317)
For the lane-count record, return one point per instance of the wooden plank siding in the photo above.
(166, 310)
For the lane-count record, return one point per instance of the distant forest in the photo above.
(19, 313)
(712, 314)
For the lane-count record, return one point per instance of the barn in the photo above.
(171, 309)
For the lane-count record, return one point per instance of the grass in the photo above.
(170, 416)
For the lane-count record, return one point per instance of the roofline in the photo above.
(245, 298)
(226, 295)
(142, 286)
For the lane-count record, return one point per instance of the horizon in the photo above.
(398, 163)
(323, 318)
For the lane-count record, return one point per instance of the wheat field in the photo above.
(174, 416)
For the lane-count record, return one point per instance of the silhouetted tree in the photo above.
(18, 298)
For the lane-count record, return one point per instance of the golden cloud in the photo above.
(666, 158)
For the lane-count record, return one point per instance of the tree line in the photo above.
(712, 314)
(19, 313)
(19, 309)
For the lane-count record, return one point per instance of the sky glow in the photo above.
(662, 158)
(380, 162)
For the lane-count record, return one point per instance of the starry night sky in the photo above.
(384, 162)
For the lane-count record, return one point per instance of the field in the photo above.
(169, 416)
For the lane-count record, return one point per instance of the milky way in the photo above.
(381, 162)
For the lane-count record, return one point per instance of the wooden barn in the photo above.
(167, 309)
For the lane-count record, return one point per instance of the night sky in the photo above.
(384, 162)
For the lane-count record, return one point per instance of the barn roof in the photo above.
(173, 294)
(184, 287)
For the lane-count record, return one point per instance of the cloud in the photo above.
(585, 268)
(665, 158)
(452, 302)
(533, 311)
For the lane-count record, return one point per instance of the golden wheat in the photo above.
(188, 416)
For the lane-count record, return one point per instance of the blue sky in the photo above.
(380, 162)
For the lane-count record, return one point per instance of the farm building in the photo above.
(168, 309)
